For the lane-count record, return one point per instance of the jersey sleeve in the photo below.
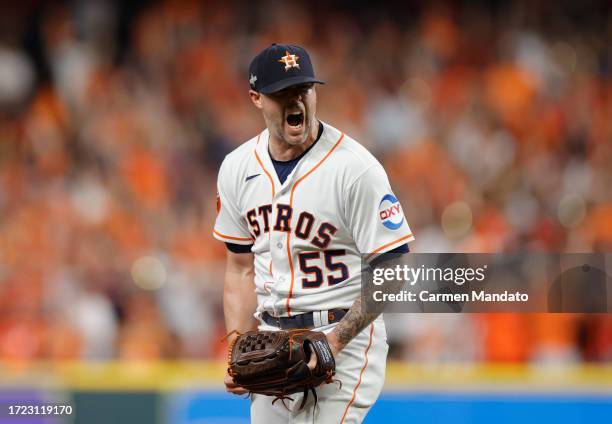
(230, 225)
(374, 214)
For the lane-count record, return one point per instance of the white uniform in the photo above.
(309, 235)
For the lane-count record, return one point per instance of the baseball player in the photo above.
(299, 206)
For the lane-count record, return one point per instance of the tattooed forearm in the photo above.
(355, 320)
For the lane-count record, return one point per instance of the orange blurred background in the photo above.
(493, 120)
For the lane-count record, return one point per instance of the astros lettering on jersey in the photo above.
(310, 233)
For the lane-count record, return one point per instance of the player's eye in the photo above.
(292, 91)
(305, 88)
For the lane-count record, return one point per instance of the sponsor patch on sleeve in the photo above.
(390, 212)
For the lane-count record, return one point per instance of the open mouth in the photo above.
(295, 119)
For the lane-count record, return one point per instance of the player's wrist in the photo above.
(335, 345)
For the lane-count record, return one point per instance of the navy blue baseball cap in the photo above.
(280, 66)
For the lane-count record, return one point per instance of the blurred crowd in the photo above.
(494, 122)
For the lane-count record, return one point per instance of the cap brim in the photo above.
(281, 85)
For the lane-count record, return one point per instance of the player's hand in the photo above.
(312, 363)
(232, 387)
(333, 344)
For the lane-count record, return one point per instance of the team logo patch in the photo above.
(390, 212)
(218, 203)
(290, 61)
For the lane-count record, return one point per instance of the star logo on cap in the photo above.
(290, 61)
(252, 80)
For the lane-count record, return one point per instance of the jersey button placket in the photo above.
(280, 261)
(276, 256)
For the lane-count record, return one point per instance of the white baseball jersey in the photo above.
(310, 233)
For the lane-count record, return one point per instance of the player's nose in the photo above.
(295, 95)
(294, 98)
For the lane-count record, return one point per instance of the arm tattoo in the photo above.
(355, 320)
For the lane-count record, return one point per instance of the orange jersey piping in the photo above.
(360, 375)
(232, 237)
(389, 244)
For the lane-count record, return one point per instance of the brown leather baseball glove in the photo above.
(274, 363)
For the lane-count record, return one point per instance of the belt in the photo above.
(307, 320)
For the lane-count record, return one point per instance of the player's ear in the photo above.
(255, 98)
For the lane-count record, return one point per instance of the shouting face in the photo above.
(289, 113)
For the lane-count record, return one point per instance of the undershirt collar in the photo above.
(284, 168)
